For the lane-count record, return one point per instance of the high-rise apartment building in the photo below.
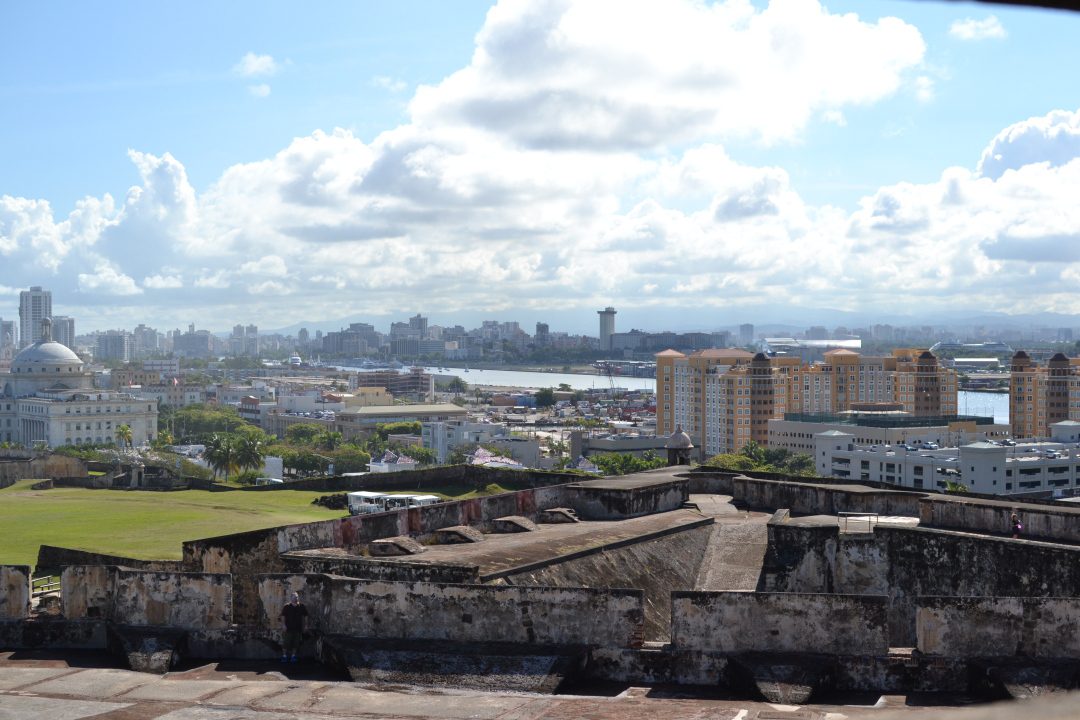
(35, 305)
(746, 334)
(114, 345)
(1041, 395)
(8, 338)
(607, 327)
(63, 330)
(724, 398)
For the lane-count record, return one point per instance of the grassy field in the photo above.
(150, 525)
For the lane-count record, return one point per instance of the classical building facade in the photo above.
(48, 398)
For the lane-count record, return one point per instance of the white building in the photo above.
(1027, 467)
(881, 428)
(49, 398)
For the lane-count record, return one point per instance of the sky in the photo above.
(690, 163)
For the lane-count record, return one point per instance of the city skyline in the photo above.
(542, 160)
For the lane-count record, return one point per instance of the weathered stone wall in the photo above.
(14, 592)
(998, 627)
(992, 516)
(459, 613)
(42, 466)
(52, 559)
(379, 569)
(824, 499)
(246, 554)
(143, 598)
(734, 622)
(599, 503)
(666, 562)
(908, 563)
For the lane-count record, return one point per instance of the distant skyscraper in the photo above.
(63, 330)
(116, 345)
(7, 333)
(607, 327)
(35, 305)
(543, 334)
(746, 334)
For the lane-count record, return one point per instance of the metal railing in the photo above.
(44, 585)
(871, 519)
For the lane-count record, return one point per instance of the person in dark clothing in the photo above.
(1014, 522)
(293, 616)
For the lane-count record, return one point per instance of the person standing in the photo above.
(1014, 523)
(293, 616)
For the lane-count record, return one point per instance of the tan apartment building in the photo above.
(724, 398)
(1041, 395)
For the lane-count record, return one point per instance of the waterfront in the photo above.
(969, 403)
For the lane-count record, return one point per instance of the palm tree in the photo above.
(221, 454)
(329, 440)
(123, 434)
(249, 453)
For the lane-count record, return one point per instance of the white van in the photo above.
(363, 502)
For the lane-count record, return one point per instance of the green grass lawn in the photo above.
(151, 525)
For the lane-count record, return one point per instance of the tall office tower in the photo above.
(35, 305)
(746, 334)
(419, 323)
(63, 330)
(251, 340)
(543, 334)
(303, 338)
(114, 345)
(147, 342)
(607, 327)
(7, 333)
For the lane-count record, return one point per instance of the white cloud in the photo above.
(971, 29)
(544, 77)
(463, 211)
(162, 282)
(107, 280)
(834, 117)
(261, 90)
(252, 65)
(1053, 138)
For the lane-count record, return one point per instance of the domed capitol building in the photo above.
(49, 398)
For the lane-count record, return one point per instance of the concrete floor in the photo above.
(51, 688)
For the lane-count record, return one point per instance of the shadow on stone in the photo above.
(148, 649)
(781, 678)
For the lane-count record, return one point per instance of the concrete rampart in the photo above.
(998, 627)
(656, 565)
(333, 563)
(14, 591)
(459, 613)
(195, 601)
(993, 516)
(906, 563)
(616, 499)
(736, 622)
(824, 499)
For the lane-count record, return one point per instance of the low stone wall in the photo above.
(823, 499)
(992, 516)
(477, 476)
(381, 569)
(998, 627)
(459, 613)
(735, 622)
(601, 502)
(14, 592)
(196, 601)
(53, 559)
(41, 466)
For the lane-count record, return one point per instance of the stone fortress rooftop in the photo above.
(721, 592)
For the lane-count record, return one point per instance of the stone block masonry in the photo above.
(14, 591)
(188, 601)
(460, 613)
(736, 622)
(998, 627)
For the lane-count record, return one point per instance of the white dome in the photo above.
(46, 354)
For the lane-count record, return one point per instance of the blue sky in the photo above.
(259, 162)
